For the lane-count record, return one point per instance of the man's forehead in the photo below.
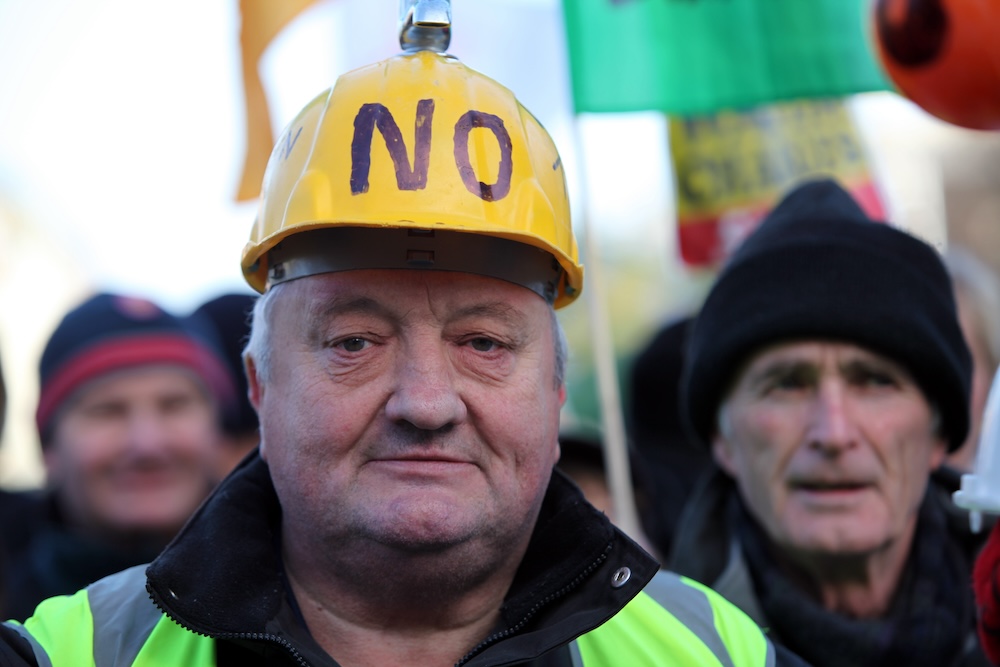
(389, 290)
(160, 375)
(814, 352)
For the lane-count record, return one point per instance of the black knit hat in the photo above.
(818, 267)
(111, 332)
(230, 315)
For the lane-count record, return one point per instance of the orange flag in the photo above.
(262, 20)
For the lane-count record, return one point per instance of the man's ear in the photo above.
(938, 454)
(53, 463)
(255, 389)
(255, 392)
(722, 452)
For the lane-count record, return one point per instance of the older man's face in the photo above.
(831, 446)
(409, 410)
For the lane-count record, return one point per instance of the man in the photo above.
(407, 368)
(128, 417)
(229, 315)
(828, 374)
(581, 459)
(663, 447)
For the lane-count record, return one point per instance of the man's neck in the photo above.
(857, 586)
(416, 612)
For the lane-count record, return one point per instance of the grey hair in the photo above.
(562, 348)
(258, 345)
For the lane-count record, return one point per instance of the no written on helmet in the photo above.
(416, 162)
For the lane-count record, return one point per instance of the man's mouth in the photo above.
(824, 486)
(424, 457)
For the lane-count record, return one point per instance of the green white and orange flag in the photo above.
(698, 56)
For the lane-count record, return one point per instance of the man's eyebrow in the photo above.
(499, 310)
(873, 364)
(321, 313)
(776, 369)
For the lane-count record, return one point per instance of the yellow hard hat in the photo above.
(416, 162)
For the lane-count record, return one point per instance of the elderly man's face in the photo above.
(413, 410)
(831, 446)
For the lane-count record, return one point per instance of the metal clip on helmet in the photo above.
(416, 162)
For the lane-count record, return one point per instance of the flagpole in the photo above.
(615, 448)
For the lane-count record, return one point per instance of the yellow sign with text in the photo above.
(731, 167)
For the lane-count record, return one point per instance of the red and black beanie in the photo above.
(817, 267)
(111, 332)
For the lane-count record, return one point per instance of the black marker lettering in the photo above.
(465, 124)
(372, 115)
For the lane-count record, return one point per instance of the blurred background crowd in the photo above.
(127, 139)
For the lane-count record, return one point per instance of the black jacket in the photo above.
(42, 556)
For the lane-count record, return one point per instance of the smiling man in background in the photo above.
(128, 417)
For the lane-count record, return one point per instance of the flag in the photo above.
(262, 20)
(698, 56)
(730, 168)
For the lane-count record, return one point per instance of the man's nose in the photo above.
(830, 425)
(425, 394)
(146, 431)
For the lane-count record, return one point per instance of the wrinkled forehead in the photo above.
(398, 292)
(130, 387)
(155, 378)
(820, 354)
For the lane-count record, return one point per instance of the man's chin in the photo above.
(837, 546)
(421, 528)
(425, 536)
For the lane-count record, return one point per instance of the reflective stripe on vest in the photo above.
(676, 621)
(112, 623)
(673, 621)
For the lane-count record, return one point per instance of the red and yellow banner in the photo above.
(730, 168)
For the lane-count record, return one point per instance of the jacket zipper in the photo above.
(514, 629)
(250, 636)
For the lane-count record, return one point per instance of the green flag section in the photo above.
(731, 167)
(699, 56)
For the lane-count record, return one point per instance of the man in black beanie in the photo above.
(828, 375)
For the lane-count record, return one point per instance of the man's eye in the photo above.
(790, 382)
(483, 344)
(354, 344)
(876, 379)
(107, 411)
